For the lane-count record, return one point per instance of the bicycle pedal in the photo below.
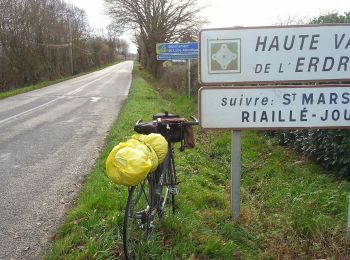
(174, 191)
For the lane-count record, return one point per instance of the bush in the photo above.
(175, 76)
(330, 148)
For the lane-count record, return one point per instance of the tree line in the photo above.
(48, 39)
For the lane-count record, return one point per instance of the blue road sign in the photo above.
(176, 48)
(190, 56)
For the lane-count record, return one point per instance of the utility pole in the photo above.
(70, 47)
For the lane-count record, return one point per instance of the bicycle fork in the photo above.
(170, 189)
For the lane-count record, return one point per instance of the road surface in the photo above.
(49, 140)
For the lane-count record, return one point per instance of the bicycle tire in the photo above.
(172, 182)
(138, 219)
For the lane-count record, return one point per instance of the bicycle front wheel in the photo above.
(169, 181)
(138, 219)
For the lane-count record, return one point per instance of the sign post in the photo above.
(189, 76)
(262, 55)
(179, 51)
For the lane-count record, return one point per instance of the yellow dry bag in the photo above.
(129, 162)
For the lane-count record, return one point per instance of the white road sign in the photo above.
(275, 107)
(270, 54)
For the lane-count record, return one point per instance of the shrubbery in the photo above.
(330, 148)
(175, 76)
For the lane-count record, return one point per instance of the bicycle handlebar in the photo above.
(138, 121)
(172, 128)
(193, 122)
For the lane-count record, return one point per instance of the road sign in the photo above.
(177, 48)
(275, 107)
(269, 54)
(188, 56)
(179, 51)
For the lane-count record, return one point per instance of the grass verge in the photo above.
(43, 84)
(291, 208)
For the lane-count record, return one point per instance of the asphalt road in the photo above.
(49, 140)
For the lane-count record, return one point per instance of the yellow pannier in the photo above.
(157, 142)
(129, 162)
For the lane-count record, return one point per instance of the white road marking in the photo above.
(47, 103)
(5, 156)
(28, 111)
(95, 99)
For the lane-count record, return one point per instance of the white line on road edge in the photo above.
(95, 99)
(47, 103)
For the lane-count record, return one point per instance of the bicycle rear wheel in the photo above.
(138, 219)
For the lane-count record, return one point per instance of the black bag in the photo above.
(174, 134)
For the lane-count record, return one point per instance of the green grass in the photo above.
(43, 84)
(291, 208)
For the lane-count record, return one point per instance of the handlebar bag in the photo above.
(146, 128)
(189, 137)
(179, 132)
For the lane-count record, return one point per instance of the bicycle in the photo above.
(146, 201)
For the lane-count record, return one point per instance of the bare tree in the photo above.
(156, 21)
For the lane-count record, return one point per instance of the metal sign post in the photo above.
(189, 76)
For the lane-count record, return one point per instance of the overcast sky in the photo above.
(228, 13)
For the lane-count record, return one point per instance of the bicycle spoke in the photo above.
(143, 189)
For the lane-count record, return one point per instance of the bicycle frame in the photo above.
(158, 179)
